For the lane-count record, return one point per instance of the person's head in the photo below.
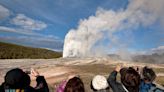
(16, 78)
(123, 72)
(130, 79)
(99, 83)
(74, 84)
(148, 74)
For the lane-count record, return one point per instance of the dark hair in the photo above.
(74, 85)
(123, 72)
(148, 74)
(16, 78)
(130, 79)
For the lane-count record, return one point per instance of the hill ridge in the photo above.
(14, 51)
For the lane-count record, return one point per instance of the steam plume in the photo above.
(81, 42)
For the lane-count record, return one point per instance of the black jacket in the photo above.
(116, 86)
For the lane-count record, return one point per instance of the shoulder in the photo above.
(1, 88)
(29, 89)
(154, 88)
(118, 87)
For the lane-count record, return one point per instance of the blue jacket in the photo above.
(149, 87)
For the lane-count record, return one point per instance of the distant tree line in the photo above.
(12, 51)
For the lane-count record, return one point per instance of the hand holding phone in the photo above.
(34, 72)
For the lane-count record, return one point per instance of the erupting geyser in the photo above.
(81, 42)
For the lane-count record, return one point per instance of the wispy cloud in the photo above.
(20, 24)
(4, 12)
(25, 31)
(30, 38)
(38, 41)
(28, 23)
(17, 31)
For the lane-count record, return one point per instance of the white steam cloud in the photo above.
(81, 42)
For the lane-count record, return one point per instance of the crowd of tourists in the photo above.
(132, 79)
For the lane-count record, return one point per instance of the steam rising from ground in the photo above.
(87, 39)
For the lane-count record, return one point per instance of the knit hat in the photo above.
(99, 82)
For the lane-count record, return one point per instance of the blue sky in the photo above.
(44, 23)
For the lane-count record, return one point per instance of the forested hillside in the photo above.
(13, 51)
